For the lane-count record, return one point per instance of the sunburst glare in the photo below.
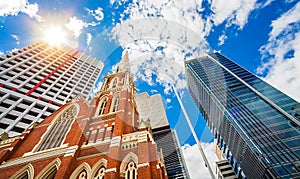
(54, 35)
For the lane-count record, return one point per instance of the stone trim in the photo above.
(89, 145)
(30, 157)
(10, 140)
(111, 170)
(143, 165)
(143, 136)
(90, 156)
(71, 151)
(115, 141)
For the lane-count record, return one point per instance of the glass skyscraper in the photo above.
(256, 126)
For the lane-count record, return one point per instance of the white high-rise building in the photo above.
(37, 79)
(151, 108)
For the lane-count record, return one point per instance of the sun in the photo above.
(54, 35)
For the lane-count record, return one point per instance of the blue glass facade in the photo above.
(256, 125)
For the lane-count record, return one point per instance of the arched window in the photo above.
(114, 83)
(126, 80)
(99, 169)
(50, 170)
(58, 130)
(128, 168)
(82, 172)
(131, 172)
(115, 103)
(100, 174)
(83, 175)
(26, 172)
(102, 106)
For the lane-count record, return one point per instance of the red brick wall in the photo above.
(77, 136)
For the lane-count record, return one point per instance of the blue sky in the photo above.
(263, 36)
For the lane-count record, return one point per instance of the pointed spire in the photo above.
(124, 64)
(145, 124)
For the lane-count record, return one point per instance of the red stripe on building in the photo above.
(15, 89)
(1, 85)
(50, 74)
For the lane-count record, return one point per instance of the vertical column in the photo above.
(104, 84)
(88, 138)
(144, 170)
(96, 135)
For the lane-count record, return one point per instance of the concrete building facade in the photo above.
(152, 108)
(36, 80)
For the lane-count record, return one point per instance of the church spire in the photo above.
(124, 64)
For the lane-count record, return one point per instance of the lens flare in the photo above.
(54, 36)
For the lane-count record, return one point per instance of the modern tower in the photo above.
(36, 80)
(101, 139)
(256, 126)
(152, 108)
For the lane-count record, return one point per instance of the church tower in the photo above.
(103, 139)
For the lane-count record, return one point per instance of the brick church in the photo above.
(102, 139)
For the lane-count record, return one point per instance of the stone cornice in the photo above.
(111, 170)
(10, 140)
(90, 156)
(143, 165)
(90, 145)
(30, 157)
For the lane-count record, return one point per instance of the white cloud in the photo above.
(17, 38)
(265, 4)
(153, 91)
(97, 87)
(97, 14)
(282, 53)
(233, 12)
(158, 46)
(88, 38)
(285, 22)
(1, 53)
(168, 100)
(222, 39)
(194, 161)
(75, 25)
(169, 107)
(289, 1)
(14, 7)
(161, 34)
(12, 50)
(118, 2)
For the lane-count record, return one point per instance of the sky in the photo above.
(263, 36)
